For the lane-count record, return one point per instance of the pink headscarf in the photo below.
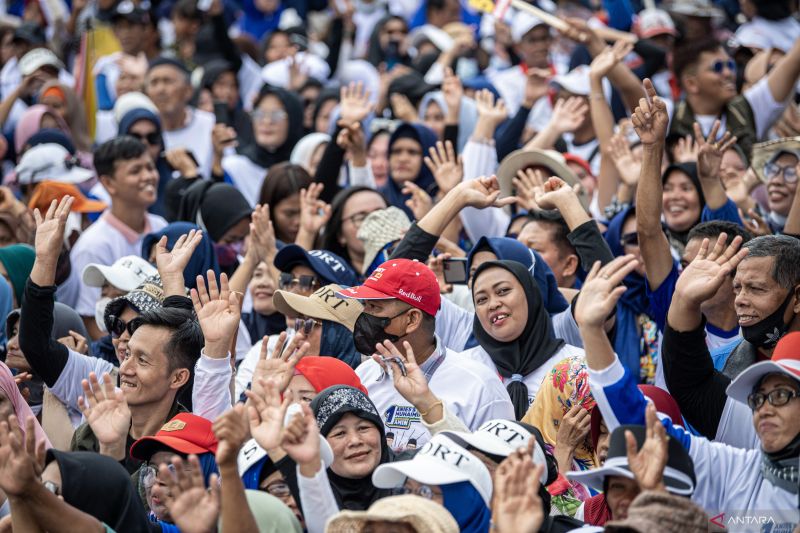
(31, 121)
(21, 407)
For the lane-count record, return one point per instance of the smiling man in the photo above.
(127, 172)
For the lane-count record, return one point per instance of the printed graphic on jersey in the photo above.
(400, 416)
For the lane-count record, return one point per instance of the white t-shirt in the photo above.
(471, 391)
(245, 176)
(105, 241)
(195, 136)
(533, 380)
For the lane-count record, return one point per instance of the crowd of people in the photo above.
(399, 266)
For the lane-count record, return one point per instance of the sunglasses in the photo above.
(279, 489)
(629, 239)
(776, 398)
(119, 326)
(719, 66)
(152, 139)
(287, 282)
(306, 325)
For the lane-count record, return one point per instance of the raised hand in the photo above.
(482, 192)
(420, 202)
(685, 150)
(314, 213)
(705, 274)
(553, 193)
(580, 32)
(192, 508)
(180, 160)
(572, 431)
(620, 153)
(75, 342)
(300, 439)
(402, 107)
(21, 459)
(517, 507)
(262, 235)
(488, 109)
(601, 291)
(526, 183)
(265, 413)
(352, 139)
(609, 58)
(222, 136)
(280, 366)
(218, 310)
(447, 169)
(650, 119)
(50, 231)
(647, 463)
(354, 102)
(412, 386)
(568, 114)
(171, 263)
(453, 91)
(755, 223)
(107, 413)
(232, 431)
(709, 150)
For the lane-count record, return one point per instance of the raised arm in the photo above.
(709, 161)
(792, 226)
(650, 120)
(231, 432)
(261, 247)
(567, 116)
(783, 76)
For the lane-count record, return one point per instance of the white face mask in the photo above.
(99, 311)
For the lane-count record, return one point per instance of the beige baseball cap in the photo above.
(323, 304)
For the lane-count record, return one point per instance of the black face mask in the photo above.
(370, 330)
(768, 332)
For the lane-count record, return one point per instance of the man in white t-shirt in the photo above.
(401, 299)
(127, 172)
(168, 85)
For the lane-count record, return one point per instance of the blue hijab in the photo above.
(337, 341)
(467, 506)
(507, 249)
(164, 169)
(203, 259)
(5, 307)
(427, 139)
(633, 303)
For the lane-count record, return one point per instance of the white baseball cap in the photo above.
(441, 461)
(652, 22)
(522, 23)
(501, 437)
(576, 81)
(785, 360)
(50, 161)
(38, 58)
(126, 273)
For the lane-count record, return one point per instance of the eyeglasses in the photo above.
(629, 239)
(772, 171)
(149, 472)
(279, 489)
(152, 139)
(776, 398)
(119, 326)
(306, 325)
(287, 282)
(270, 116)
(358, 218)
(719, 65)
(425, 491)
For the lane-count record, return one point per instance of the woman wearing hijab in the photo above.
(565, 389)
(386, 44)
(271, 515)
(682, 202)
(326, 102)
(308, 152)
(66, 103)
(408, 146)
(219, 78)
(513, 330)
(349, 208)
(6, 305)
(203, 259)
(97, 485)
(16, 263)
(277, 118)
(223, 213)
(35, 118)
(433, 110)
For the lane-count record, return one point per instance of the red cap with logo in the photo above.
(185, 433)
(409, 281)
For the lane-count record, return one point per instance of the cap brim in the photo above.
(522, 159)
(89, 206)
(145, 447)
(289, 256)
(421, 469)
(741, 387)
(290, 304)
(676, 482)
(74, 175)
(96, 275)
(485, 443)
(363, 292)
(594, 478)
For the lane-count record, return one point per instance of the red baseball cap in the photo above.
(185, 433)
(785, 360)
(409, 281)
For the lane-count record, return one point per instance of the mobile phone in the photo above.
(222, 113)
(455, 270)
(204, 5)
(392, 54)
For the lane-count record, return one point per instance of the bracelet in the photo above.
(596, 96)
(426, 413)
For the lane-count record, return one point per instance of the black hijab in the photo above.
(531, 349)
(329, 407)
(294, 109)
(98, 485)
(680, 238)
(214, 207)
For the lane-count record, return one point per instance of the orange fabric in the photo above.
(47, 191)
(55, 91)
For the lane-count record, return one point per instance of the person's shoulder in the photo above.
(84, 439)
(203, 118)
(367, 369)
(157, 222)
(469, 366)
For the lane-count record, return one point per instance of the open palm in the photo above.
(648, 462)
(265, 413)
(706, 273)
(217, 308)
(602, 290)
(105, 409)
(301, 437)
(193, 508)
(174, 261)
(50, 229)
(354, 103)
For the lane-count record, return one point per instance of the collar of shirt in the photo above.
(434, 361)
(130, 235)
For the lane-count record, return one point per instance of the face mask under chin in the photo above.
(768, 332)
